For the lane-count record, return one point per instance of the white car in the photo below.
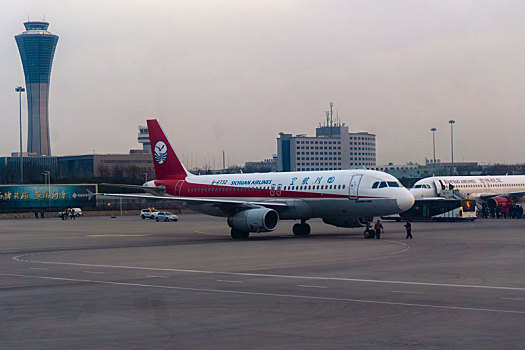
(148, 213)
(71, 211)
(166, 216)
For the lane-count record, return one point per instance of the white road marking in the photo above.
(229, 281)
(95, 272)
(296, 296)
(314, 278)
(513, 298)
(310, 286)
(405, 292)
(39, 268)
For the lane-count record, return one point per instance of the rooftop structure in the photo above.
(333, 147)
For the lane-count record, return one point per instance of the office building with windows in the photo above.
(333, 147)
(37, 48)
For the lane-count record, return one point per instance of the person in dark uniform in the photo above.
(408, 226)
(378, 228)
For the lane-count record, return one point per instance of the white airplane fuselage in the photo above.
(315, 194)
(473, 187)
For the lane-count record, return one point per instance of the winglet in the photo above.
(166, 162)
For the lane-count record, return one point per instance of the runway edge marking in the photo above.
(229, 273)
(296, 296)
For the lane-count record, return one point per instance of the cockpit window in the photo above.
(417, 186)
(393, 184)
(375, 185)
(382, 184)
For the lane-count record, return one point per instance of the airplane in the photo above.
(497, 191)
(256, 202)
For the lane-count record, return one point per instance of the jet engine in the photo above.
(254, 220)
(499, 202)
(348, 222)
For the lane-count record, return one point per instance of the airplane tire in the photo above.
(367, 234)
(306, 230)
(236, 234)
(301, 229)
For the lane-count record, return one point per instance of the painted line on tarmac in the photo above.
(39, 268)
(407, 247)
(211, 233)
(310, 286)
(405, 292)
(95, 272)
(295, 296)
(513, 298)
(229, 281)
(20, 258)
(119, 235)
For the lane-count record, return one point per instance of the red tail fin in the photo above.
(167, 164)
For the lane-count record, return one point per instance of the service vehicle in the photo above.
(166, 216)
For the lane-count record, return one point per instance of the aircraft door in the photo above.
(178, 187)
(354, 186)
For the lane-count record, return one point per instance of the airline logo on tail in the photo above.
(161, 152)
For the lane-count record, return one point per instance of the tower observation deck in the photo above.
(37, 48)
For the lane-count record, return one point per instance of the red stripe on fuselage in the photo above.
(205, 191)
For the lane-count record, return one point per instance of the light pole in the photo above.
(20, 89)
(47, 177)
(434, 143)
(452, 122)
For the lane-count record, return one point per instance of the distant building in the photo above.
(264, 166)
(34, 167)
(332, 148)
(143, 138)
(37, 48)
(106, 165)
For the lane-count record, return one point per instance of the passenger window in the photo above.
(382, 184)
(375, 185)
(344, 187)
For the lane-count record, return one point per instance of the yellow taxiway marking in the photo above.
(119, 235)
(407, 247)
(211, 233)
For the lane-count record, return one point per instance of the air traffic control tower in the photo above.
(37, 48)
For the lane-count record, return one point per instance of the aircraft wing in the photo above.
(156, 191)
(225, 205)
(516, 195)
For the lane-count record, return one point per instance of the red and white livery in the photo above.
(257, 202)
(496, 191)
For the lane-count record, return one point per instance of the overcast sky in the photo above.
(230, 75)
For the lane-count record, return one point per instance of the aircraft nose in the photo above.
(405, 200)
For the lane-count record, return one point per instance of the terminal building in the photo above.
(138, 164)
(333, 147)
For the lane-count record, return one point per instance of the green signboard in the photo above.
(19, 197)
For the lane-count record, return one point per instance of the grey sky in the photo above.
(230, 75)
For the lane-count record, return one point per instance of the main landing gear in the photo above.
(302, 229)
(236, 234)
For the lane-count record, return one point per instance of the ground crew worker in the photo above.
(378, 228)
(408, 226)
